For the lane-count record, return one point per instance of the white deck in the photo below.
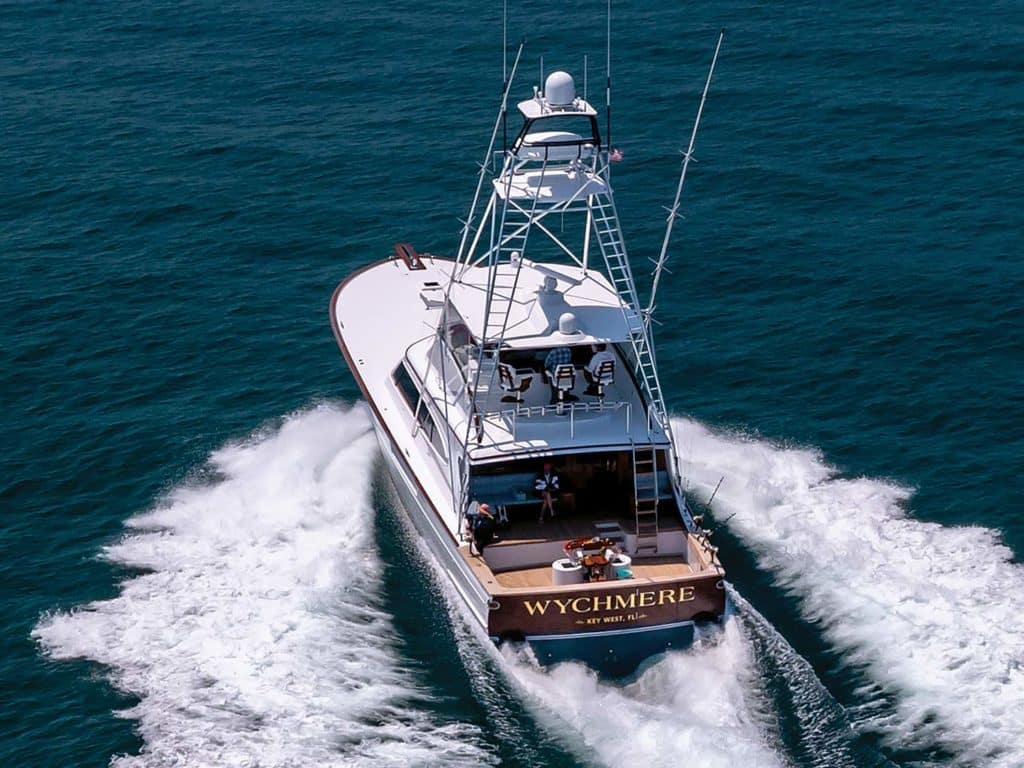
(533, 317)
(375, 337)
(550, 186)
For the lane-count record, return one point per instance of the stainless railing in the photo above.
(512, 416)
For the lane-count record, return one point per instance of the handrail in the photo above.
(474, 452)
(514, 414)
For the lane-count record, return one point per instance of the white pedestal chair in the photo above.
(514, 382)
(602, 377)
(563, 378)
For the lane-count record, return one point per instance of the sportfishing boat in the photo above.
(515, 394)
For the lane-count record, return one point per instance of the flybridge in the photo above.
(554, 158)
(548, 176)
(551, 203)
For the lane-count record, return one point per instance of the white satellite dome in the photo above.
(559, 89)
(567, 324)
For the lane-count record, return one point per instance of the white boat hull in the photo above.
(437, 539)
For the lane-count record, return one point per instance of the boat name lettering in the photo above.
(591, 603)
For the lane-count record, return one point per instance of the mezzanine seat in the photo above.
(563, 377)
(601, 378)
(514, 381)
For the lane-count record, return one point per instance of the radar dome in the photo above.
(567, 323)
(559, 89)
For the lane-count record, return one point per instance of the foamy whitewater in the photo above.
(709, 703)
(706, 703)
(256, 636)
(701, 703)
(933, 615)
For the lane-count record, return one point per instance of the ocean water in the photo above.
(202, 561)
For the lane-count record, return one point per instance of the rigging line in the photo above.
(487, 216)
(493, 255)
(663, 256)
(522, 255)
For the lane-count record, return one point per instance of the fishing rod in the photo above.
(467, 224)
(706, 533)
(698, 519)
(715, 492)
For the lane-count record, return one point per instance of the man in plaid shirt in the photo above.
(556, 357)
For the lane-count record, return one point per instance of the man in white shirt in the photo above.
(547, 485)
(601, 354)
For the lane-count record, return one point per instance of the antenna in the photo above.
(608, 72)
(673, 212)
(584, 77)
(504, 75)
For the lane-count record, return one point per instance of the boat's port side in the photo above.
(436, 537)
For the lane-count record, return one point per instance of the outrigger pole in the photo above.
(673, 212)
(456, 272)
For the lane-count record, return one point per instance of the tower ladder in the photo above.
(645, 497)
(513, 232)
(613, 249)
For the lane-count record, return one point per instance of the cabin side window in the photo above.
(407, 387)
(458, 338)
(424, 419)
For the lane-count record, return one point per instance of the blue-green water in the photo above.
(185, 184)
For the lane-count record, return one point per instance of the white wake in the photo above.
(704, 706)
(933, 615)
(256, 637)
(698, 707)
